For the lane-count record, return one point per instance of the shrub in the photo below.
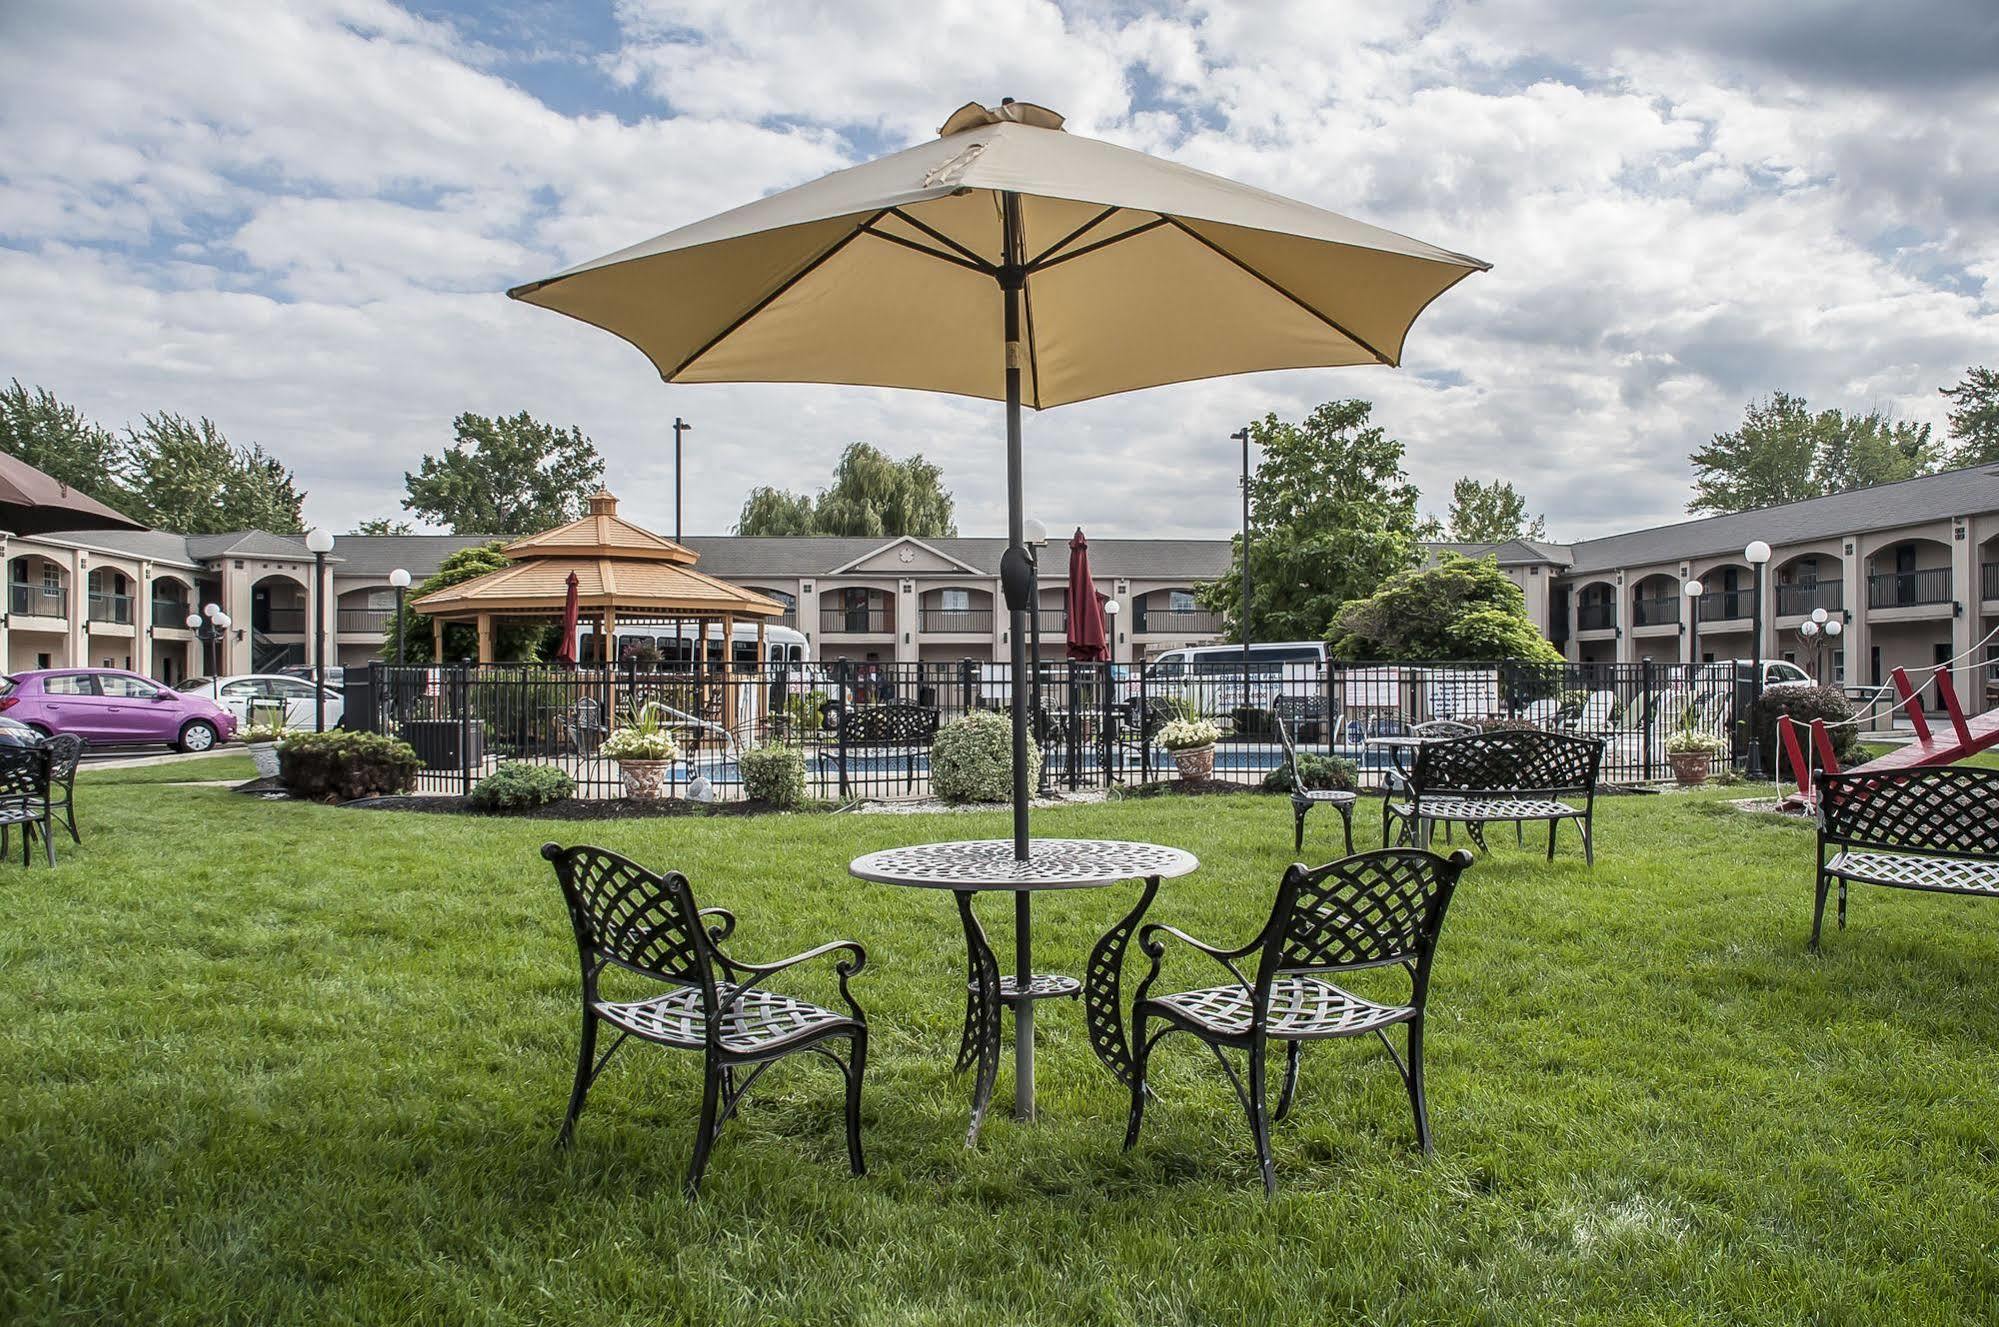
(341, 765)
(521, 787)
(1803, 704)
(1321, 773)
(774, 774)
(971, 759)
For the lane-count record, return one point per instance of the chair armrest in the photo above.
(1150, 940)
(854, 960)
(724, 923)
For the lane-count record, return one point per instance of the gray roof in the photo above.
(155, 544)
(1884, 506)
(247, 544)
(418, 554)
(1510, 553)
(736, 556)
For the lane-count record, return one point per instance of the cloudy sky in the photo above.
(297, 217)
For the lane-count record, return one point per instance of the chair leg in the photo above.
(586, 1054)
(1589, 844)
(1140, 1053)
(1417, 1102)
(1259, 1117)
(1818, 907)
(1842, 903)
(704, 1135)
(1346, 819)
(69, 815)
(1289, 1093)
(48, 837)
(1298, 810)
(856, 1068)
(1552, 826)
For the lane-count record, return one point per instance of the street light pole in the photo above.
(1034, 536)
(401, 580)
(680, 426)
(320, 543)
(1757, 554)
(1242, 435)
(1692, 589)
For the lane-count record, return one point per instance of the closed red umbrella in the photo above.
(1088, 641)
(565, 649)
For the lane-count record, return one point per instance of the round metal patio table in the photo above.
(968, 867)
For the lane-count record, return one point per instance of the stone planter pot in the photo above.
(266, 756)
(645, 780)
(1196, 762)
(1689, 767)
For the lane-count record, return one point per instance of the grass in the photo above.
(279, 1063)
(234, 765)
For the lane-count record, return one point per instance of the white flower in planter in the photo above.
(1189, 734)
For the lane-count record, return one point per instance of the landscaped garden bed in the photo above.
(582, 808)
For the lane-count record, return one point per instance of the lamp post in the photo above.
(1110, 659)
(1693, 589)
(680, 426)
(401, 580)
(1757, 555)
(320, 542)
(1242, 435)
(210, 625)
(1815, 633)
(1034, 537)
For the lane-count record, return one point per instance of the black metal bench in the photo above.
(1500, 776)
(1933, 829)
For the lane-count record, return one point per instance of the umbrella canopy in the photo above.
(32, 502)
(565, 650)
(1008, 259)
(1088, 640)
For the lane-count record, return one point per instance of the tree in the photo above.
(512, 638)
(1784, 453)
(872, 494)
(1333, 515)
(1459, 609)
(58, 440)
(1491, 513)
(188, 478)
(384, 525)
(1974, 418)
(511, 476)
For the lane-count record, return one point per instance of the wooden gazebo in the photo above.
(623, 573)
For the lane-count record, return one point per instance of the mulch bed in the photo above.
(573, 808)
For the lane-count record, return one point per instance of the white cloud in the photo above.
(297, 219)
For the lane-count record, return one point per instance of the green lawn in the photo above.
(272, 1063)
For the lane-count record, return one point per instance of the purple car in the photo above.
(111, 707)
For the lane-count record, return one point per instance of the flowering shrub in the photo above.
(971, 759)
(642, 737)
(774, 774)
(342, 766)
(1188, 734)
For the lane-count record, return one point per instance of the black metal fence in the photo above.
(864, 730)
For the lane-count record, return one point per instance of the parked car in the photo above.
(111, 707)
(250, 695)
(15, 733)
(336, 676)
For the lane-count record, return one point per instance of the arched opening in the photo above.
(789, 600)
(278, 625)
(956, 609)
(1728, 597)
(37, 587)
(1655, 601)
(1175, 612)
(172, 601)
(1808, 582)
(856, 610)
(1911, 573)
(110, 596)
(1596, 606)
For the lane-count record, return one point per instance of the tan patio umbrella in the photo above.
(1010, 260)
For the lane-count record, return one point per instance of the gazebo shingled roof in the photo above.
(621, 569)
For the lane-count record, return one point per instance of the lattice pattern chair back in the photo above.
(1290, 751)
(65, 750)
(1364, 911)
(627, 915)
(24, 774)
(1509, 761)
(1945, 810)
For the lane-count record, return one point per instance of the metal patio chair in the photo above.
(1303, 799)
(647, 924)
(1376, 909)
(24, 799)
(65, 752)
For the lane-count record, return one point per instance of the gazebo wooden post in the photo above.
(608, 649)
(485, 638)
(729, 671)
(757, 672)
(437, 640)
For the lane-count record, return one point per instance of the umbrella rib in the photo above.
(938, 235)
(1072, 236)
(765, 302)
(1203, 240)
(1118, 238)
(982, 268)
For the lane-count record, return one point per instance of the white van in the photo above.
(675, 643)
(1210, 676)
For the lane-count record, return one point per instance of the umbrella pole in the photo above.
(1011, 280)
